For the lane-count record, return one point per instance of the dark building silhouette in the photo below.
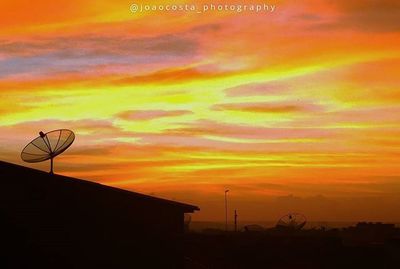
(52, 221)
(368, 233)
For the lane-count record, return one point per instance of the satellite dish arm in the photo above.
(46, 141)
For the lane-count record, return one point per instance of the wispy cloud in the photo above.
(141, 115)
(267, 107)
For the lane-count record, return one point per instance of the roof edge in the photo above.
(188, 207)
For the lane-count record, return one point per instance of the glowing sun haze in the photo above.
(292, 110)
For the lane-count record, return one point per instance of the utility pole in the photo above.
(235, 220)
(226, 210)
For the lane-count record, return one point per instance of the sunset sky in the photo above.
(292, 110)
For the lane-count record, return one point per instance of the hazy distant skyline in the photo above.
(292, 110)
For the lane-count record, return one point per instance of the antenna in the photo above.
(235, 216)
(226, 210)
(47, 146)
(292, 221)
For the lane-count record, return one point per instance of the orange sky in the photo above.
(292, 110)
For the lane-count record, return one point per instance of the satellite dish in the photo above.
(47, 146)
(292, 221)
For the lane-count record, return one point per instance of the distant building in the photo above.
(253, 228)
(52, 221)
(367, 233)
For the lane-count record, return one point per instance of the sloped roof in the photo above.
(9, 169)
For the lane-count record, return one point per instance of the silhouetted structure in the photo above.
(52, 221)
(253, 228)
(47, 146)
(290, 248)
(291, 221)
(235, 220)
(371, 233)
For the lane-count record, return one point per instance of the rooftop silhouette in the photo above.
(55, 221)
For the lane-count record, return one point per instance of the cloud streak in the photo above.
(142, 115)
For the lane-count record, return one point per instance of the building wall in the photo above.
(61, 224)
